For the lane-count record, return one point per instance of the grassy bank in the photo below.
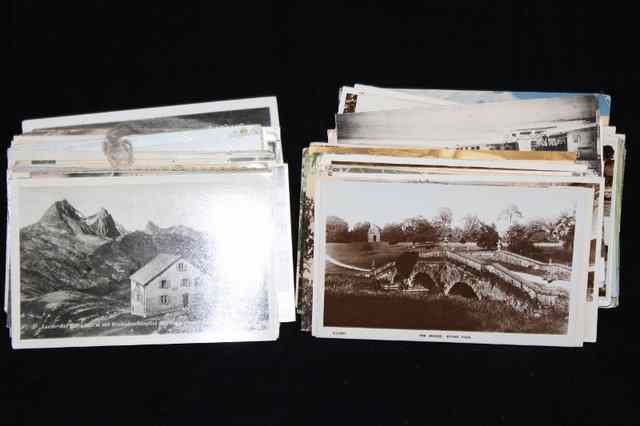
(356, 302)
(362, 254)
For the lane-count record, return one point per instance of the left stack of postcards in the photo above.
(149, 226)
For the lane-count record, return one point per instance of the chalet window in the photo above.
(164, 283)
(138, 295)
(185, 282)
(164, 299)
(182, 267)
(197, 282)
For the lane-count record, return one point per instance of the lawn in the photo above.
(362, 254)
(556, 254)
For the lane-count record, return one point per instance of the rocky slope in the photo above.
(65, 250)
(102, 224)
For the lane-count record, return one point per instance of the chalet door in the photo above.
(185, 300)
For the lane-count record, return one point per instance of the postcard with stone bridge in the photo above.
(133, 260)
(473, 262)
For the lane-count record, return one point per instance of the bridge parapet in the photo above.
(545, 295)
(427, 253)
(483, 264)
(506, 275)
(443, 252)
(386, 271)
(469, 261)
(556, 270)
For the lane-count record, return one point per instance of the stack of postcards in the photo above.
(461, 216)
(149, 226)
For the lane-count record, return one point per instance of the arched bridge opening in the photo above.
(463, 289)
(422, 279)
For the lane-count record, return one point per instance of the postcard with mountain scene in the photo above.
(137, 260)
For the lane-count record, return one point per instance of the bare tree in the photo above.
(444, 216)
(565, 228)
(509, 214)
(471, 225)
(443, 220)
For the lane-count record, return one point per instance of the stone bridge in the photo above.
(449, 272)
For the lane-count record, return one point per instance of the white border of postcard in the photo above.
(271, 333)
(528, 176)
(282, 249)
(591, 312)
(575, 331)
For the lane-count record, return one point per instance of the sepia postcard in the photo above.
(613, 171)
(320, 158)
(435, 262)
(336, 165)
(515, 180)
(492, 159)
(142, 260)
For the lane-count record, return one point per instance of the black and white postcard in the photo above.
(553, 124)
(450, 262)
(175, 144)
(447, 97)
(142, 260)
(261, 111)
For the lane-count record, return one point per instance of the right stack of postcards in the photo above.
(462, 216)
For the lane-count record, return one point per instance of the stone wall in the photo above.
(555, 270)
(480, 273)
(485, 285)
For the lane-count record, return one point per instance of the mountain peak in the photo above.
(62, 216)
(103, 225)
(102, 213)
(65, 208)
(152, 228)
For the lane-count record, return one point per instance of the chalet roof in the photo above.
(154, 267)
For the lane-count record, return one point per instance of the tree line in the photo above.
(519, 237)
(417, 229)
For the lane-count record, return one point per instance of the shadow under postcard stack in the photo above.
(461, 216)
(149, 226)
